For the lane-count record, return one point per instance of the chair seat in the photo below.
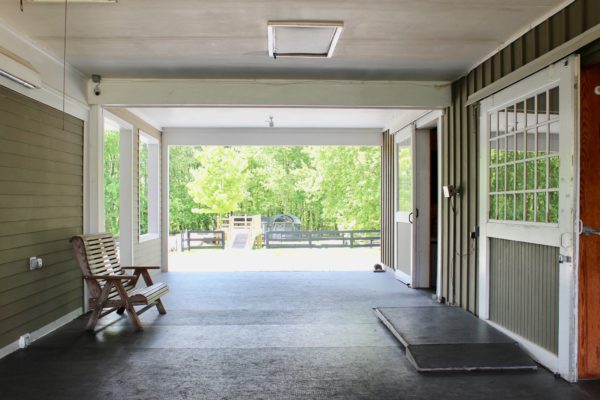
(147, 295)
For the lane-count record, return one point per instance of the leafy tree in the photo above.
(181, 164)
(112, 171)
(219, 183)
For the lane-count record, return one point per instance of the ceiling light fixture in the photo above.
(18, 70)
(303, 39)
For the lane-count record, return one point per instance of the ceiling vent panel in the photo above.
(303, 39)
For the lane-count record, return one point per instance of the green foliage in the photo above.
(111, 181)
(143, 187)
(181, 164)
(219, 183)
(326, 187)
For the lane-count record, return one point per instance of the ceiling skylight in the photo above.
(303, 39)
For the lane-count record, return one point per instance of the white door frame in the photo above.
(562, 235)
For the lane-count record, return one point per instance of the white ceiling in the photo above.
(383, 39)
(259, 117)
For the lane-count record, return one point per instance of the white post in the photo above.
(165, 205)
(94, 171)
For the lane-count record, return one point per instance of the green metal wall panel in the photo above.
(459, 147)
(524, 290)
(41, 207)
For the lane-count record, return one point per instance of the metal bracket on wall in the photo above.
(588, 230)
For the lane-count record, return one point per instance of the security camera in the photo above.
(97, 79)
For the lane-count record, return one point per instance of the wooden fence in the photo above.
(322, 239)
(202, 240)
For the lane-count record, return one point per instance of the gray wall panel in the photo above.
(41, 207)
(459, 147)
(524, 290)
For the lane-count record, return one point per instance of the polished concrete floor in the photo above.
(270, 335)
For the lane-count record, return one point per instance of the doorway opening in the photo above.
(274, 208)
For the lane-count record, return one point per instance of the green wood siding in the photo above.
(459, 151)
(41, 207)
(524, 290)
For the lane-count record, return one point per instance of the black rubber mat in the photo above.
(450, 339)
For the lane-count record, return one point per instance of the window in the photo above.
(112, 175)
(405, 170)
(523, 160)
(149, 211)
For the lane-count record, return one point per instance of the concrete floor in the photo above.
(258, 336)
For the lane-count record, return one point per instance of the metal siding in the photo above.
(387, 200)
(41, 207)
(524, 290)
(459, 254)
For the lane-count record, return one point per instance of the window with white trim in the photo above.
(149, 184)
(523, 160)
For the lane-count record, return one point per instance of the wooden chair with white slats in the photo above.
(109, 286)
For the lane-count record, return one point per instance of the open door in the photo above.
(412, 207)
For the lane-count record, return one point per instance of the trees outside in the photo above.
(331, 187)
(112, 166)
(327, 187)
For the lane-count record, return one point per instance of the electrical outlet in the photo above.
(35, 263)
(25, 340)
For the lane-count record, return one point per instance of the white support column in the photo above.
(126, 196)
(94, 172)
(164, 205)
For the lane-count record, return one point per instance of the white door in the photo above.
(412, 207)
(528, 159)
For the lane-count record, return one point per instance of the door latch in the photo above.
(588, 230)
(564, 259)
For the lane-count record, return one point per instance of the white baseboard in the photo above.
(43, 331)
(539, 354)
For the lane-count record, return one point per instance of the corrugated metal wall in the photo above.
(387, 200)
(524, 290)
(41, 207)
(459, 258)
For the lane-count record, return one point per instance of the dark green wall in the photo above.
(460, 143)
(41, 207)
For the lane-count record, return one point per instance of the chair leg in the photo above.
(160, 307)
(121, 310)
(93, 320)
(134, 318)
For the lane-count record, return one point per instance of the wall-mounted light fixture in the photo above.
(18, 70)
(450, 191)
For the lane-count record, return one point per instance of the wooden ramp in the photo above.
(441, 338)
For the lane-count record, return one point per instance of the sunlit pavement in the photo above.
(215, 260)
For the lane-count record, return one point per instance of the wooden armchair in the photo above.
(109, 286)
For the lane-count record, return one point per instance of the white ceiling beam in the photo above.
(272, 136)
(280, 92)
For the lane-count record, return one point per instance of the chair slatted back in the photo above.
(97, 255)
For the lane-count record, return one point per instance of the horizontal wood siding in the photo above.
(460, 159)
(148, 252)
(524, 290)
(41, 207)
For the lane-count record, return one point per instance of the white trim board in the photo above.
(272, 136)
(271, 92)
(43, 331)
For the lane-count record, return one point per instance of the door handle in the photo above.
(415, 214)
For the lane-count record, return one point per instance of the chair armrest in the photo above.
(110, 277)
(141, 267)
